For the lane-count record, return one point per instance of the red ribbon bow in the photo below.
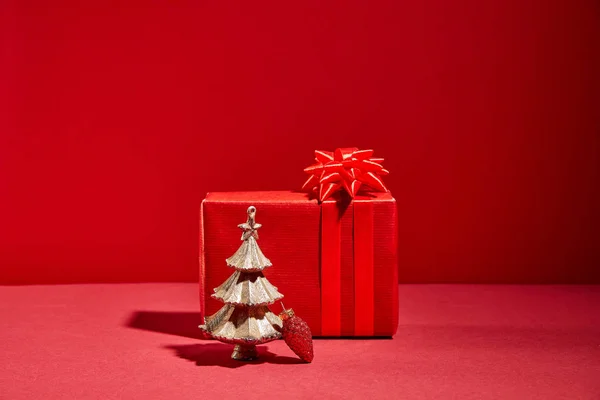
(347, 168)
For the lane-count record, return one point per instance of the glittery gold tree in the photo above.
(245, 320)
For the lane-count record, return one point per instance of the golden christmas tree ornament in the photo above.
(245, 320)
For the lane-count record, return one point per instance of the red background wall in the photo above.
(116, 120)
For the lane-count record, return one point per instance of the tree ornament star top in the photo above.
(345, 168)
(250, 227)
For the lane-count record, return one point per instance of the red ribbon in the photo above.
(364, 269)
(345, 168)
(332, 270)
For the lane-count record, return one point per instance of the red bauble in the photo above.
(297, 335)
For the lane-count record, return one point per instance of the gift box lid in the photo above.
(284, 197)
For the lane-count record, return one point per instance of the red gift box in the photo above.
(334, 262)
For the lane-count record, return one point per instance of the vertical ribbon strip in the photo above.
(331, 273)
(364, 273)
(331, 269)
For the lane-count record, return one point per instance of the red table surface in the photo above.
(127, 341)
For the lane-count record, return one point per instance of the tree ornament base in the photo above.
(243, 352)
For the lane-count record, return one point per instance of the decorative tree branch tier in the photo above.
(244, 325)
(249, 257)
(247, 289)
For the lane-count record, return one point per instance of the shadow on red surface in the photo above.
(219, 354)
(185, 324)
(173, 323)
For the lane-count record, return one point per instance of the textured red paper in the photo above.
(320, 287)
